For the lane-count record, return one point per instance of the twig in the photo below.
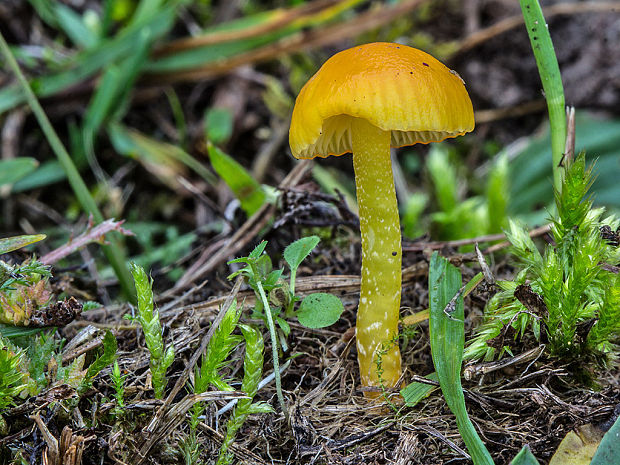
(303, 40)
(92, 234)
(472, 371)
(242, 236)
(511, 22)
(569, 148)
(421, 246)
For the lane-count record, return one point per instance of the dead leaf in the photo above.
(578, 447)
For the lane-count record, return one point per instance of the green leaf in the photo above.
(247, 190)
(271, 280)
(319, 310)
(262, 267)
(152, 152)
(218, 125)
(609, 449)
(524, 457)
(259, 407)
(284, 326)
(415, 392)
(297, 251)
(530, 171)
(48, 172)
(17, 331)
(258, 250)
(15, 169)
(107, 358)
(73, 25)
(447, 341)
(9, 244)
(116, 83)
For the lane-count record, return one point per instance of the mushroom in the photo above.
(365, 100)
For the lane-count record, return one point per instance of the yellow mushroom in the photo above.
(365, 100)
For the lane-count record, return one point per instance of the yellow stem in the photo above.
(377, 315)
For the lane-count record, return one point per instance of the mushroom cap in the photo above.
(397, 88)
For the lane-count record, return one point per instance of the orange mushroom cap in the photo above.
(395, 87)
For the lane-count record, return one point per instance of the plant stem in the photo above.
(274, 347)
(551, 78)
(113, 251)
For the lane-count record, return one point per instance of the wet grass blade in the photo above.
(549, 71)
(447, 341)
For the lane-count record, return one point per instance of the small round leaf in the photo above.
(319, 310)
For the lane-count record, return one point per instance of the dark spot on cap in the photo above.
(410, 72)
(394, 254)
(425, 64)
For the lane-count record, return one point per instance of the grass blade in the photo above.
(415, 392)
(447, 341)
(85, 64)
(9, 244)
(113, 251)
(551, 80)
(73, 25)
(14, 169)
(609, 449)
(247, 190)
(524, 457)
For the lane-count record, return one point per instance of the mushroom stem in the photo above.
(378, 311)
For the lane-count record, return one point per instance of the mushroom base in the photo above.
(378, 311)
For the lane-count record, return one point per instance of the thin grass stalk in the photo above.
(113, 251)
(274, 347)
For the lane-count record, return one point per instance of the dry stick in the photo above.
(281, 20)
(536, 232)
(514, 21)
(303, 40)
(421, 246)
(146, 446)
(569, 147)
(310, 284)
(244, 234)
(472, 371)
(494, 114)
